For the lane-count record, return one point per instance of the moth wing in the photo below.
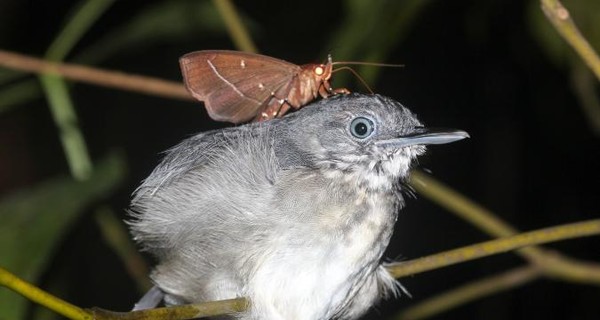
(235, 86)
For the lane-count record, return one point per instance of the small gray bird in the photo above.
(292, 213)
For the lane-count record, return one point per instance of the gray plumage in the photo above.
(293, 213)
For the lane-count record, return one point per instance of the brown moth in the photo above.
(237, 86)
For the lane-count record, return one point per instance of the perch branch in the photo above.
(188, 311)
(41, 297)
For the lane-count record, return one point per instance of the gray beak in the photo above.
(424, 136)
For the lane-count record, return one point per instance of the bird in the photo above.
(293, 213)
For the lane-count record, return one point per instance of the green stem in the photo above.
(78, 25)
(57, 92)
(64, 116)
(237, 31)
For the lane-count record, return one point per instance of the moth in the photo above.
(238, 86)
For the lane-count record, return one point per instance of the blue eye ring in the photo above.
(362, 127)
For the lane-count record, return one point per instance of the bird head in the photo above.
(368, 140)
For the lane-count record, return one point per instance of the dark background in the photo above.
(487, 67)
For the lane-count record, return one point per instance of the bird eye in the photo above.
(361, 127)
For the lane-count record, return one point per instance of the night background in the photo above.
(496, 69)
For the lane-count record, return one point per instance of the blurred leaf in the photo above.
(7, 75)
(14, 90)
(167, 21)
(34, 221)
(78, 23)
(18, 93)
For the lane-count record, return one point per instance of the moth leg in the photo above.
(325, 90)
(276, 108)
(340, 91)
(285, 107)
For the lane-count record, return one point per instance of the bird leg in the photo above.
(150, 300)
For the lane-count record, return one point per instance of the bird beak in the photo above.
(424, 136)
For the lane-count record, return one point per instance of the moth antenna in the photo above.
(364, 83)
(374, 64)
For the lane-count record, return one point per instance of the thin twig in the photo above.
(453, 201)
(561, 19)
(469, 292)
(476, 251)
(113, 79)
(554, 265)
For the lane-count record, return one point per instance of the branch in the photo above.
(469, 292)
(435, 261)
(561, 20)
(113, 79)
(41, 297)
(553, 264)
(188, 311)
